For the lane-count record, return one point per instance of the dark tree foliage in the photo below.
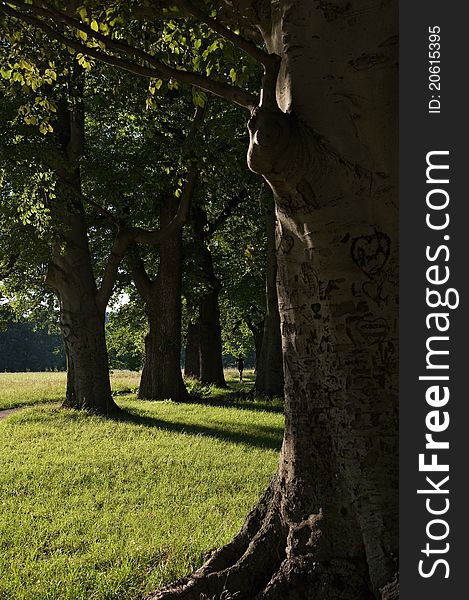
(23, 347)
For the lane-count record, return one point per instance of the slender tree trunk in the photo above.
(269, 375)
(211, 360)
(210, 344)
(161, 375)
(257, 331)
(192, 360)
(324, 137)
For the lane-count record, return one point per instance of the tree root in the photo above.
(391, 590)
(255, 578)
(305, 578)
(209, 576)
(270, 560)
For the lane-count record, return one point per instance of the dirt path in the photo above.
(7, 412)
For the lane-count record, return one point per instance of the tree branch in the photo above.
(13, 259)
(157, 237)
(121, 242)
(243, 44)
(139, 274)
(101, 210)
(225, 214)
(197, 121)
(158, 69)
(129, 235)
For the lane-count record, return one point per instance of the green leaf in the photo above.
(199, 97)
(82, 12)
(30, 120)
(18, 77)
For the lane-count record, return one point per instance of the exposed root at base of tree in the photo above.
(110, 410)
(268, 560)
(182, 397)
(391, 590)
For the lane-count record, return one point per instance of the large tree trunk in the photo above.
(161, 376)
(327, 527)
(269, 360)
(82, 320)
(88, 385)
(70, 274)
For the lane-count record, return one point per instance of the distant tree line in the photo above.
(24, 347)
(31, 347)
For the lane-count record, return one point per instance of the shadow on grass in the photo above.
(260, 437)
(241, 400)
(235, 395)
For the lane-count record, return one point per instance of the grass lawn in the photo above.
(94, 509)
(24, 389)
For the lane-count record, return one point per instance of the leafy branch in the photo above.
(31, 13)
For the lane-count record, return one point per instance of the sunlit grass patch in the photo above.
(25, 389)
(95, 509)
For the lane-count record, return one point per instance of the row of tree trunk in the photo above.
(83, 302)
(269, 360)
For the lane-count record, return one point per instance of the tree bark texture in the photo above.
(257, 330)
(325, 139)
(161, 376)
(269, 360)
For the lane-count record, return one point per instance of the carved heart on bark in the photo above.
(374, 291)
(373, 330)
(371, 252)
